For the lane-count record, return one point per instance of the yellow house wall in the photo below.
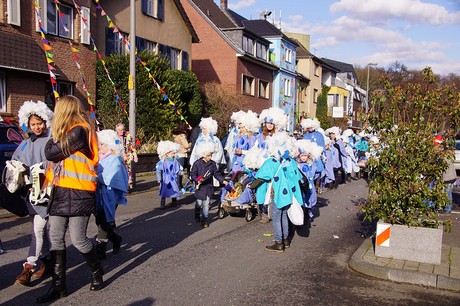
(172, 31)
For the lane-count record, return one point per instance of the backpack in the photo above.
(15, 175)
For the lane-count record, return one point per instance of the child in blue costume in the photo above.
(112, 187)
(168, 171)
(331, 161)
(248, 123)
(308, 153)
(281, 169)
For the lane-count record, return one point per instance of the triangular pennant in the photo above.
(111, 25)
(60, 13)
(74, 50)
(47, 47)
(102, 12)
(49, 55)
(78, 65)
(49, 60)
(53, 81)
(51, 67)
(52, 75)
(116, 30)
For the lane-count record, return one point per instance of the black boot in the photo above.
(197, 214)
(174, 201)
(278, 247)
(95, 268)
(116, 241)
(101, 248)
(162, 203)
(58, 287)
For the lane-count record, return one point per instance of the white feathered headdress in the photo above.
(279, 143)
(276, 116)
(310, 123)
(39, 109)
(111, 139)
(166, 146)
(255, 157)
(306, 146)
(250, 120)
(209, 124)
(205, 148)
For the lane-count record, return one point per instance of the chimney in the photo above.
(223, 4)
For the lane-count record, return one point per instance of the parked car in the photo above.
(457, 156)
(10, 138)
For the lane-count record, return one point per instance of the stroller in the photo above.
(236, 197)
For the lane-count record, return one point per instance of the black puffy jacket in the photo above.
(68, 201)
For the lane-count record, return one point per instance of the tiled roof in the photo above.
(215, 14)
(264, 28)
(21, 52)
(341, 66)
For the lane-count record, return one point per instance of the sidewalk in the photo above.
(443, 276)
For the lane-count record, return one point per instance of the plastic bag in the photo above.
(295, 212)
(15, 175)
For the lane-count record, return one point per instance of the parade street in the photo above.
(168, 259)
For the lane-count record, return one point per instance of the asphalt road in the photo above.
(168, 259)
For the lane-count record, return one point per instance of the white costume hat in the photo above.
(39, 109)
(348, 132)
(209, 124)
(250, 121)
(335, 130)
(307, 146)
(166, 146)
(205, 148)
(345, 138)
(279, 143)
(236, 117)
(310, 123)
(276, 116)
(111, 139)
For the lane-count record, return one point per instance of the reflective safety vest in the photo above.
(78, 171)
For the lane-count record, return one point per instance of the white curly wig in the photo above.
(276, 116)
(335, 130)
(306, 146)
(279, 143)
(39, 109)
(310, 123)
(205, 148)
(255, 157)
(166, 146)
(111, 139)
(236, 117)
(209, 124)
(250, 120)
(348, 132)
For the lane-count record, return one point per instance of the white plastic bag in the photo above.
(268, 195)
(295, 212)
(15, 175)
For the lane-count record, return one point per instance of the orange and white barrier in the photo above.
(383, 235)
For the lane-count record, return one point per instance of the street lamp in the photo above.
(367, 84)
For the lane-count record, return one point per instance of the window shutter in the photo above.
(160, 14)
(145, 6)
(14, 12)
(85, 26)
(42, 12)
(109, 41)
(184, 60)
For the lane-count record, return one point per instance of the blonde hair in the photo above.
(68, 112)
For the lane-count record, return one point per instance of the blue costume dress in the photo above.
(167, 171)
(112, 185)
(308, 195)
(243, 142)
(315, 137)
(331, 161)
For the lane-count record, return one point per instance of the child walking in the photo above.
(112, 186)
(168, 171)
(203, 171)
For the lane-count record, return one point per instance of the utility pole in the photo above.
(132, 78)
(367, 83)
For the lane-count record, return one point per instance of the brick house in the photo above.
(230, 54)
(24, 73)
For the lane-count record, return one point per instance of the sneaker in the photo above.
(43, 272)
(277, 247)
(26, 274)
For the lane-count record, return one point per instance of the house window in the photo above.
(261, 51)
(2, 91)
(315, 95)
(85, 26)
(288, 55)
(248, 85)
(317, 67)
(287, 88)
(61, 26)
(140, 44)
(63, 88)
(248, 45)
(153, 8)
(150, 46)
(174, 57)
(184, 60)
(14, 12)
(263, 89)
(114, 42)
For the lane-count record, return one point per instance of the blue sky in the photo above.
(416, 33)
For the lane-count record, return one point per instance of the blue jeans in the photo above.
(280, 222)
(204, 206)
(449, 187)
